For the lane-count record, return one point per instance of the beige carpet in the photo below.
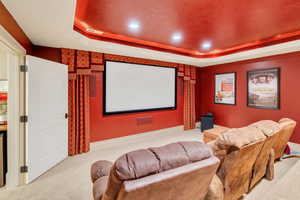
(70, 179)
(288, 186)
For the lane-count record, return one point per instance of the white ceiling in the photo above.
(50, 23)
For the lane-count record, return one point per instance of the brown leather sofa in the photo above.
(178, 171)
(247, 155)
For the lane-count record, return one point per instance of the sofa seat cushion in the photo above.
(239, 137)
(268, 127)
(141, 163)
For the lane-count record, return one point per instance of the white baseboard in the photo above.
(198, 124)
(294, 147)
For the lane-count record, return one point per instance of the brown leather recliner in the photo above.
(288, 127)
(178, 171)
(272, 130)
(241, 147)
(278, 135)
(245, 161)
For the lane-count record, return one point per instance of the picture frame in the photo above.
(3, 85)
(263, 88)
(225, 88)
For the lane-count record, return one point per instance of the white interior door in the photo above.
(47, 127)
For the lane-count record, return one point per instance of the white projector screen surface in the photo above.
(135, 88)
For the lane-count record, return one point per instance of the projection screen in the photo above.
(132, 87)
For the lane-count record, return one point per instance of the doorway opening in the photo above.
(3, 114)
(11, 137)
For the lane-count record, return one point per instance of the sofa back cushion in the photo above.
(239, 137)
(268, 127)
(144, 162)
(285, 122)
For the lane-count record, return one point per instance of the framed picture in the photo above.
(3, 85)
(264, 88)
(225, 88)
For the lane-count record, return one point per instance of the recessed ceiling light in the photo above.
(90, 30)
(206, 45)
(94, 31)
(176, 37)
(99, 32)
(134, 25)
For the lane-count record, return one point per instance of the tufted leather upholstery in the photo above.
(180, 170)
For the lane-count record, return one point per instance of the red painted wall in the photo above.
(11, 26)
(241, 115)
(111, 126)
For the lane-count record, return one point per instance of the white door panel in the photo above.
(47, 128)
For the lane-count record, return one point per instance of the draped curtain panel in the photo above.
(189, 77)
(81, 65)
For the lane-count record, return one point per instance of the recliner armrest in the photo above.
(215, 190)
(220, 153)
(99, 187)
(213, 145)
(100, 168)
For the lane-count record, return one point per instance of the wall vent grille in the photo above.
(144, 120)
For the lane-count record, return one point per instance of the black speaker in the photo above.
(207, 121)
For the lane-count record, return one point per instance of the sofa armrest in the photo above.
(215, 190)
(220, 153)
(213, 145)
(270, 166)
(99, 187)
(100, 168)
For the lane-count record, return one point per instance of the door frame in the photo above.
(16, 107)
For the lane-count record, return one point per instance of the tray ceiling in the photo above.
(167, 33)
(197, 28)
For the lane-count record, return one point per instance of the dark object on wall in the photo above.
(264, 88)
(225, 88)
(207, 121)
(144, 120)
(3, 158)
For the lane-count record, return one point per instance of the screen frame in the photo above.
(137, 110)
